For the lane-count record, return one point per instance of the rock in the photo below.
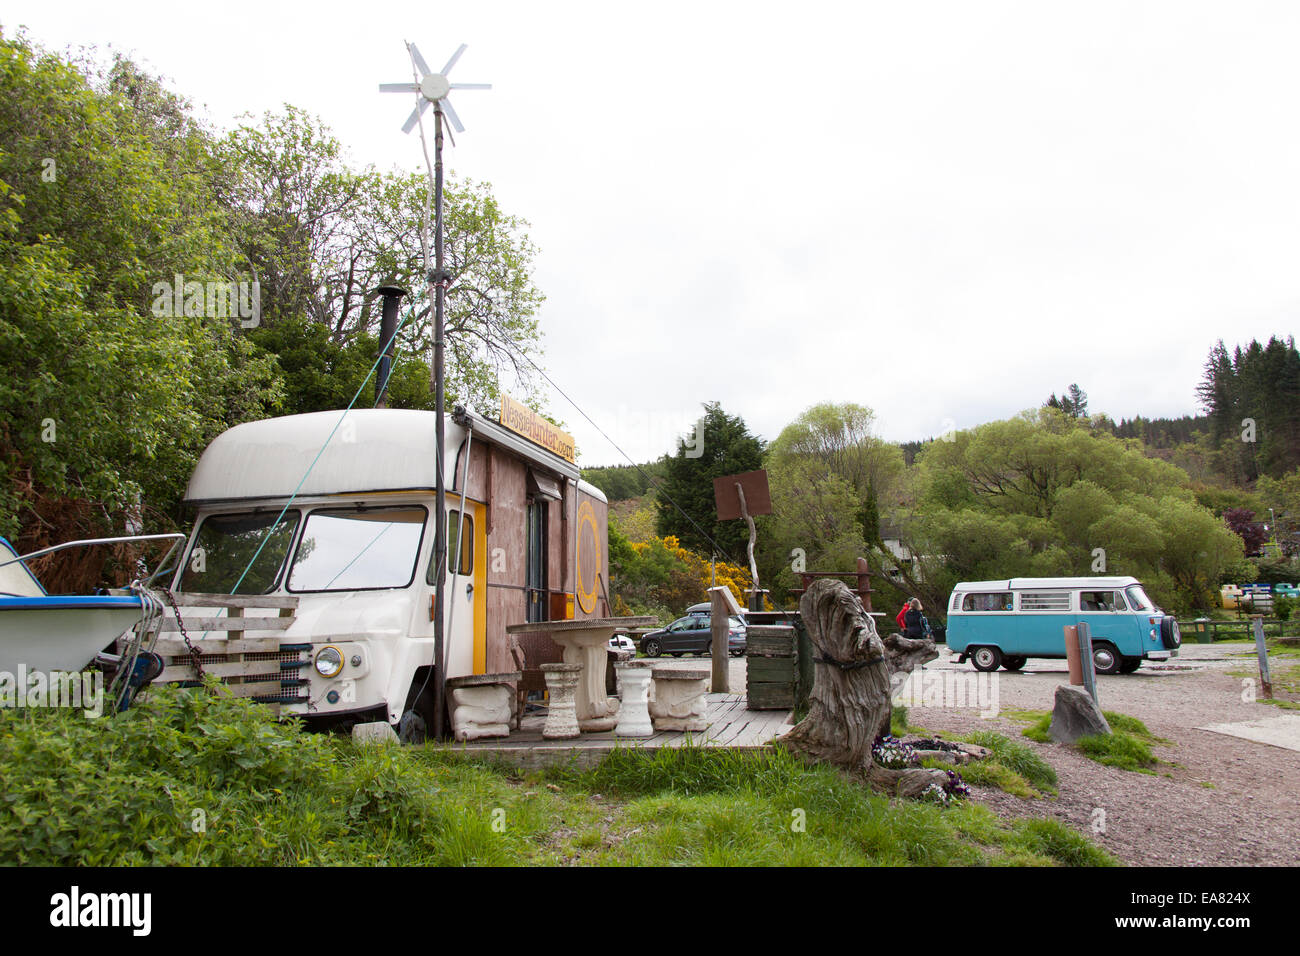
(376, 732)
(1075, 715)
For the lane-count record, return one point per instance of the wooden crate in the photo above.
(772, 666)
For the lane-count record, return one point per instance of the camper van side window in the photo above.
(994, 601)
(1045, 601)
(466, 566)
(1101, 601)
(358, 549)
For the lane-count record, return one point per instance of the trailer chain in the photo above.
(196, 657)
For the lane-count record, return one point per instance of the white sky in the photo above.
(944, 211)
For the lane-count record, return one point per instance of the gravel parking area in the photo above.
(1213, 799)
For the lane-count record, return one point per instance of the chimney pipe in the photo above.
(387, 328)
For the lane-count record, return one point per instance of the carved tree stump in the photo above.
(850, 701)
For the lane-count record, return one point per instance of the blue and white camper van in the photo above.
(1004, 623)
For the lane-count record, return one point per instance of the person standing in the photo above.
(902, 624)
(913, 620)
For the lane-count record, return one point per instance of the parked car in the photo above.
(692, 634)
(622, 642)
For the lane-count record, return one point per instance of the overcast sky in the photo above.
(944, 211)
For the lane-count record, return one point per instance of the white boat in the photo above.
(49, 632)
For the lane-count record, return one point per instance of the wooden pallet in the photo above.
(247, 666)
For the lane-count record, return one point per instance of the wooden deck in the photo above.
(731, 725)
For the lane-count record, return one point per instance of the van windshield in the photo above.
(226, 544)
(1138, 598)
(358, 549)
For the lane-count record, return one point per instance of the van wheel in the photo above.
(412, 729)
(1014, 663)
(986, 658)
(1169, 633)
(651, 647)
(1105, 658)
(1129, 664)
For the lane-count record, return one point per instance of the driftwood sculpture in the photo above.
(854, 679)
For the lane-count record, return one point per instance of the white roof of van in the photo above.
(1045, 584)
(371, 449)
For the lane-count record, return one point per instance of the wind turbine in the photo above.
(434, 88)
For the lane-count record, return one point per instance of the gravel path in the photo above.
(1251, 814)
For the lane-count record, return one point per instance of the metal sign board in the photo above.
(758, 500)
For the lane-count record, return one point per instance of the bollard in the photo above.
(1072, 655)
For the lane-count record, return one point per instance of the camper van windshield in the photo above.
(226, 543)
(1138, 598)
(358, 549)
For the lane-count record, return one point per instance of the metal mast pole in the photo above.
(438, 281)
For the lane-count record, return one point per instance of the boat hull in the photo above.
(61, 633)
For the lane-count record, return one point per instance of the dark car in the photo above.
(692, 634)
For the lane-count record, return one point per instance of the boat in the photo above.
(42, 632)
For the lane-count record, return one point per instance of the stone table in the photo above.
(585, 642)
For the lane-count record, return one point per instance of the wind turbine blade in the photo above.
(398, 88)
(451, 115)
(415, 116)
(419, 60)
(471, 86)
(454, 57)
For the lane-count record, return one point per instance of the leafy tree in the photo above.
(325, 235)
(104, 192)
(1243, 524)
(1038, 495)
(726, 448)
(828, 472)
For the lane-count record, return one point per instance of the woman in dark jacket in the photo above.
(913, 622)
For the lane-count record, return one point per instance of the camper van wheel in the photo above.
(986, 658)
(1014, 663)
(1105, 658)
(412, 729)
(1129, 665)
(651, 647)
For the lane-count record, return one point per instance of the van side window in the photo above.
(1101, 601)
(992, 601)
(956, 601)
(1045, 601)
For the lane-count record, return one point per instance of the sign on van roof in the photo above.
(522, 420)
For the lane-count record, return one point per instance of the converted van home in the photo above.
(1005, 623)
(327, 520)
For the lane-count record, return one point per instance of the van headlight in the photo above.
(329, 662)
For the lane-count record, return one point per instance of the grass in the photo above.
(189, 779)
(1127, 746)
(1118, 749)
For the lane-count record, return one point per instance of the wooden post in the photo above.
(722, 606)
(1265, 681)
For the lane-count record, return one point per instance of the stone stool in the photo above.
(562, 714)
(679, 702)
(634, 713)
(482, 705)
